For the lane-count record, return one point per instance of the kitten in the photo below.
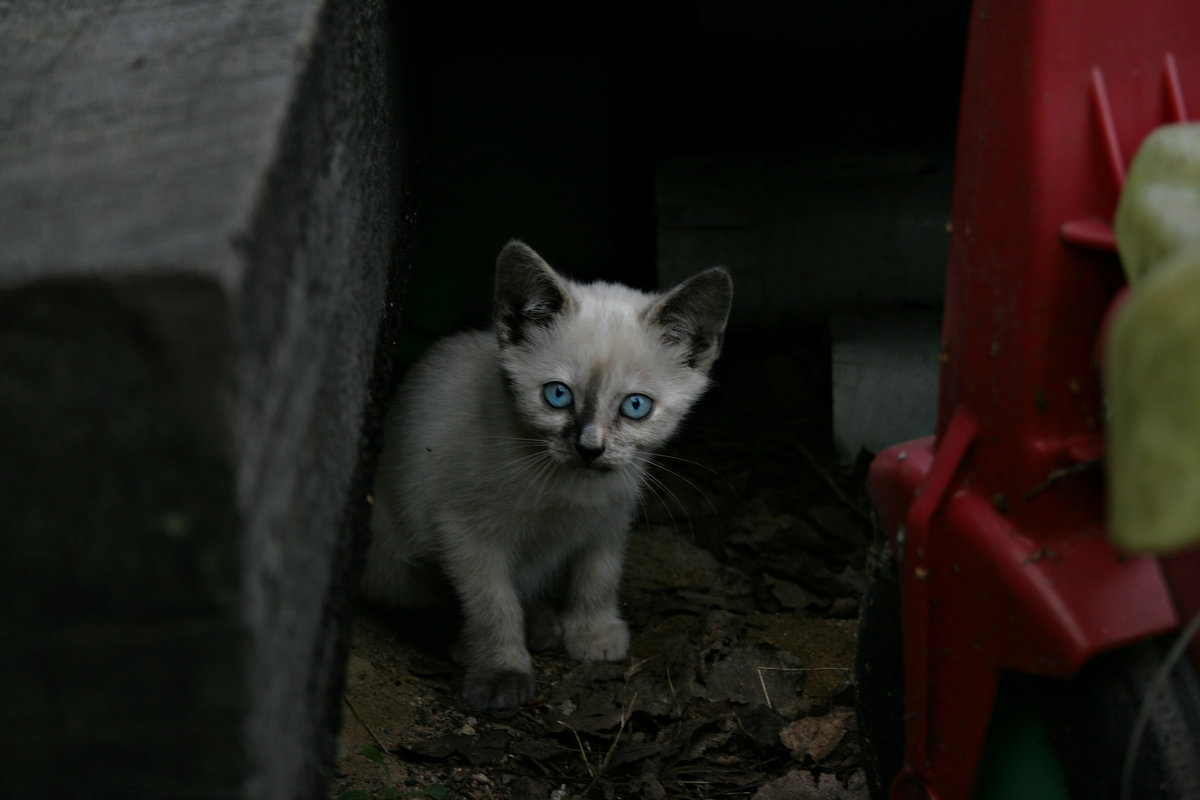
(514, 458)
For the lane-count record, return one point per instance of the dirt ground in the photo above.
(742, 591)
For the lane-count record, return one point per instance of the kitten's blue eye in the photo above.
(636, 406)
(557, 395)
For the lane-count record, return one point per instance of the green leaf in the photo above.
(389, 793)
(373, 754)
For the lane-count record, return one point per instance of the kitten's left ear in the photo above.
(528, 292)
(693, 316)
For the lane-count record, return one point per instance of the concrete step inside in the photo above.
(809, 233)
(885, 379)
(856, 238)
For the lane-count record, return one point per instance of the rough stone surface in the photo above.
(198, 204)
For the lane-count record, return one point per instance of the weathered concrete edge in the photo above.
(304, 386)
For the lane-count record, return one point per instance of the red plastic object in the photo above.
(998, 520)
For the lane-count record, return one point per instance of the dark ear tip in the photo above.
(718, 281)
(714, 276)
(515, 248)
(720, 275)
(721, 272)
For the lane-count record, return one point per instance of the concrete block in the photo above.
(885, 379)
(198, 205)
(809, 234)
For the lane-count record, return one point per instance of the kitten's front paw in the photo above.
(497, 688)
(607, 641)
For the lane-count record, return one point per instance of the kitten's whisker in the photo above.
(528, 465)
(518, 469)
(531, 469)
(659, 489)
(537, 454)
(650, 460)
(656, 456)
(517, 443)
(542, 475)
(524, 448)
(654, 459)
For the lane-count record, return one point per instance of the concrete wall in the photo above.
(198, 210)
(812, 233)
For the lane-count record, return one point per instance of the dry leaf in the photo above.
(816, 737)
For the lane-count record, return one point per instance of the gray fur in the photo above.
(525, 507)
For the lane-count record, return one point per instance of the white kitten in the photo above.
(513, 461)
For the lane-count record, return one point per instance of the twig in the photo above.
(635, 668)
(832, 484)
(762, 682)
(383, 749)
(625, 715)
(582, 754)
(674, 698)
(1058, 474)
(1154, 688)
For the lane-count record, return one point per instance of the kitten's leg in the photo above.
(499, 669)
(592, 626)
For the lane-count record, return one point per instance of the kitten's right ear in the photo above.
(692, 316)
(528, 292)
